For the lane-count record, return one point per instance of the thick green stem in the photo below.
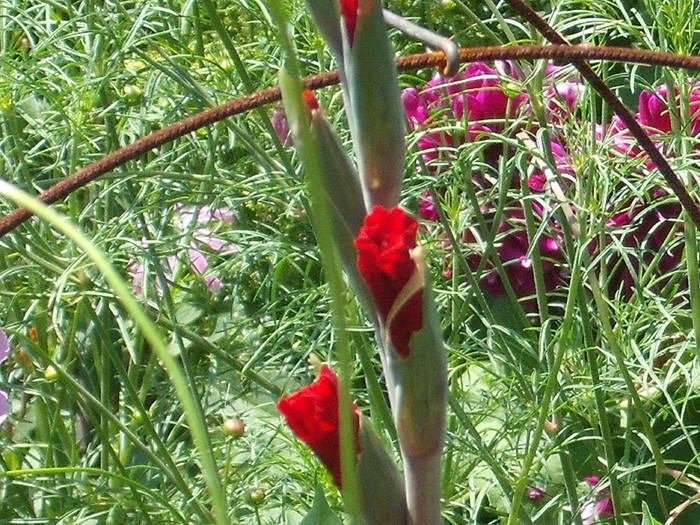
(423, 489)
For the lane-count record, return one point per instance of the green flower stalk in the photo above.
(390, 275)
(393, 268)
(340, 184)
(338, 176)
(381, 485)
(371, 89)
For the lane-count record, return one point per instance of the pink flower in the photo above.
(562, 100)
(536, 493)
(598, 507)
(562, 93)
(312, 414)
(203, 219)
(281, 126)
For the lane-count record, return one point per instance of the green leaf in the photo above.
(320, 513)
(647, 518)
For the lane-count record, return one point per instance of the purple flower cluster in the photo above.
(4, 398)
(202, 219)
(483, 100)
(477, 97)
(644, 224)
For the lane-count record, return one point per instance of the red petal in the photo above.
(312, 414)
(349, 8)
(384, 261)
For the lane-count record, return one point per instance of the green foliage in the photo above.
(320, 513)
(97, 432)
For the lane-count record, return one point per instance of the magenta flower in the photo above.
(484, 95)
(427, 208)
(655, 116)
(644, 228)
(479, 87)
(415, 105)
(654, 110)
(477, 97)
(537, 182)
(598, 507)
(4, 398)
(513, 251)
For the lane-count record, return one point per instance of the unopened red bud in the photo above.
(551, 427)
(234, 427)
(310, 99)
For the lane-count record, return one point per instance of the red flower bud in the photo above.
(384, 260)
(349, 8)
(310, 100)
(312, 414)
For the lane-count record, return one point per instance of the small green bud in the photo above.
(132, 93)
(50, 374)
(137, 416)
(255, 496)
